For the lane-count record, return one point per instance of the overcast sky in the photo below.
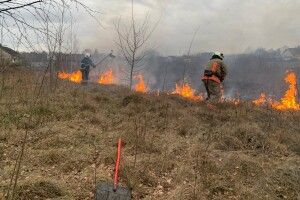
(230, 26)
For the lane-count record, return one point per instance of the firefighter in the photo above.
(214, 75)
(86, 64)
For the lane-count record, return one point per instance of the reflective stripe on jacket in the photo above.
(218, 68)
(213, 78)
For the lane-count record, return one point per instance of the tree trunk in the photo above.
(131, 77)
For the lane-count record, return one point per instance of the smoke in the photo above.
(230, 26)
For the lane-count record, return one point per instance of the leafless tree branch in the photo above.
(132, 41)
(18, 7)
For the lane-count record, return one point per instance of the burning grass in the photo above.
(75, 77)
(262, 100)
(186, 91)
(107, 78)
(140, 85)
(288, 101)
(175, 148)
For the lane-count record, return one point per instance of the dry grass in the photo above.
(175, 149)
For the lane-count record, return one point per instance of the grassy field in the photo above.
(174, 149)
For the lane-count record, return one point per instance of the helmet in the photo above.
(218, 54)
(87, 55)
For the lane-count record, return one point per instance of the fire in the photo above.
(235, 100)
(158, 93)
(261, 100)
(140, 86)
(75, 77)
(187, 92)
(63, 75)
(289, 100)
(222, 94)
(107, 78)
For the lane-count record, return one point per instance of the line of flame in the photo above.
(288, 101)
(107, 78)
(75, 77)
(140, 86)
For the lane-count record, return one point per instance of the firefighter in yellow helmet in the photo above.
(214, 74)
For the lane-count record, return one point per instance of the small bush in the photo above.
(101, 99)
(295, 148)
(134, 98)
(11, 118)
(287, 183)
(229, 144)
(88, 107)
(41, 111)
(183, 131)
(52, 157)
(38, 190)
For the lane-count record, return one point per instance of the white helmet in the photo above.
(219, 54)
(87, 55)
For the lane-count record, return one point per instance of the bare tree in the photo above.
(31, 22)
(42, 28)
(188, 57)
(14, 5)
(133, 42)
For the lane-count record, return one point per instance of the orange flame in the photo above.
(157, 92)
(140, 86)
(75, 77)
(222, 100)
(261, 100)
(107, 78)
(289, 100)
(187, 92)
(236, 101)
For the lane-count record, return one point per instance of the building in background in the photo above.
(8, 56)
(292, 54)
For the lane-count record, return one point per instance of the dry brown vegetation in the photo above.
(175, 149)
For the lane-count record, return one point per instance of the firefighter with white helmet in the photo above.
(86, 64)
(214, 74)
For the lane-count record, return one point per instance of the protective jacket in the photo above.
(86, 63)
(215, 70)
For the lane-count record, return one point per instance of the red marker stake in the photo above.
(116, 177)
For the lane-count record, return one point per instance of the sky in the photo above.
(229, 26)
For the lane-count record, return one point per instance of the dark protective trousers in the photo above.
(85, 76)
(214, 92)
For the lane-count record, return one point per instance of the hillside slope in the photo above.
(175, 148)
